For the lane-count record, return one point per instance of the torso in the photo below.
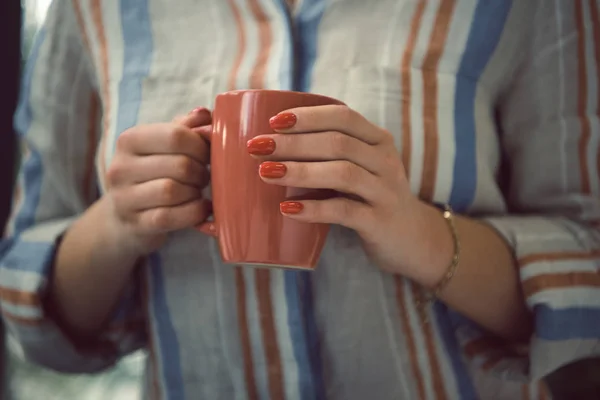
(346, 331)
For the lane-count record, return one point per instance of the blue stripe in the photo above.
(307, 29)
(307, 21)
(28, 256)
(446, 327)
(297, 327)
(567, 323)
(293, 279)
(286, 71)
(137, 59)
(166, 338)
(488, 23)
(32, 168)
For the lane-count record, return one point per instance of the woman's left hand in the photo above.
(334, 147)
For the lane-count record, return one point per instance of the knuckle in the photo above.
(114, 172)
(176, 136)
(125, 139)
(340, 144)
(159, 219)
(347, 173)
(184, 167)
(345, 210)
(168, 190)
(346, 114)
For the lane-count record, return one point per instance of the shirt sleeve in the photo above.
(551, 135)
(58, 120)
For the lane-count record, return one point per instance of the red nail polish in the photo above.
(260, 146)
(291, 207)
(272, 170)
(283, 120)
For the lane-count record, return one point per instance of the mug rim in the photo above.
(274, 91)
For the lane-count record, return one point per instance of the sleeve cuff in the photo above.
(558, 266)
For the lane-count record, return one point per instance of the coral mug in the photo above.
(247, 223)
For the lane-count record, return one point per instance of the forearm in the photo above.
(486, 286)
(92, 267)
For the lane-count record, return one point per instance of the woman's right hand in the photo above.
(155, 180)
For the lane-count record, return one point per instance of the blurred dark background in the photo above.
(10, 42)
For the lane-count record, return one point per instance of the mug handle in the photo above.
(208, 227)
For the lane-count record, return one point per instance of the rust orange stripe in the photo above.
(21, 320)
(245, 334)
(436, 375)
(405, 70)
(544, 391)
(257, 80)
(430, 97)
(582, 99)
(267, 323)
(558, 256)
(241, 39)
(410, 341)
(20, 298)
(525, 392)
(100, 32)
(89, 190)
(555, 281)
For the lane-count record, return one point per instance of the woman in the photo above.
(487, 107)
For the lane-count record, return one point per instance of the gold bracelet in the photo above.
(429, 297)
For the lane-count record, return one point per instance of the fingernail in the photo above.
(260, 146)
(283, 121)
(198, 110)
(272, 170)
(291, 207)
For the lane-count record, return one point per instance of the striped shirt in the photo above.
(494, 106)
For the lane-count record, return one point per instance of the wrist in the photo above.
(434, 246)
(116, 235)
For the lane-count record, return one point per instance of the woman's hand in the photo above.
(156, 177)
(334, 147)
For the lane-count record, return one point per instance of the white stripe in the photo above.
(560, 267)
(255, 332)
(416, 89)
(561, 298)
(25, 281)
(26, 312)
(279, 63)
(114, 41)
(419, 339)
(252, 37)
(46, 232)
(395, 44)
(284, 337)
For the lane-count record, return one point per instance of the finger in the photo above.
(164, 139)
(197, 117)
(167, 219)
(156, 193)
(320, 146)
(338, 210)
(342, 176)
(180, 168)
(328, 118)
